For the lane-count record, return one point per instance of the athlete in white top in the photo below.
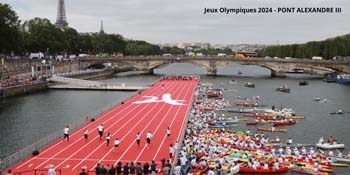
(116, 144)
(100, 130)
(171, 151)
(138, 139)
(86, 133)
(148, 138)
(168, 132)
(108, 138)
(66, 133)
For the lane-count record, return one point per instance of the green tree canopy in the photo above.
(9, 32)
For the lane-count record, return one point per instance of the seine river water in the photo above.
(26, 119)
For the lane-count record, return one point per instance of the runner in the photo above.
(176, 146)
(171, 151)
(168, 132)
(100, 130)
(116, 144)
(66, 133)
(138, 139)
(51, 170)
(148, 138)
(108, 138)
(86, 134)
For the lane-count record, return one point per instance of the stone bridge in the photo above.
(213, 64)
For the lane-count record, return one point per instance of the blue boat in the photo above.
(343, 79)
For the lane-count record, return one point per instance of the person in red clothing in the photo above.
(330, 140)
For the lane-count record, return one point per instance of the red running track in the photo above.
(123, 122)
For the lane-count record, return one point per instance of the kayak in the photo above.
(200, 171)
(339, 164)
(257, 123)
(307, 171)
(282, 123)
(295, 117)
(270, 130)
(258, 115)
(245, 169)
(221, 126)
(234, 170)
(330, 146)
(341, 159)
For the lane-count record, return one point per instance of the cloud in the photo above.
(161, 21)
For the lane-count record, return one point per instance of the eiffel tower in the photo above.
(61, 20)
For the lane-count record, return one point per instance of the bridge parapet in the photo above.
(278, 67)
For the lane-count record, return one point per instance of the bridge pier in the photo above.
(212, 70)
(281, 74)
(146, 72)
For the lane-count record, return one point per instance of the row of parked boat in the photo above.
(213, 146)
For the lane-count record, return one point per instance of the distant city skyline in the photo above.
(183, 21)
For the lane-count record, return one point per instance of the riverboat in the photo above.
(343, 79)
(296, 71)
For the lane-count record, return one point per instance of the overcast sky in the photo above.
(174, 21)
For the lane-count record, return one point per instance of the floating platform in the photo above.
(100, 87)
(165, 104)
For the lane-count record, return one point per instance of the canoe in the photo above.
(295, 117)
(247, 104)
(307, 171)
(200, 171)
(257, 123)
(341, 159)
(284, 123)
(245, 169)
(339, 164)
(330, 146)
(234, 170)
(221, 126)
(258, 115)
(270, 130)
(227, 122)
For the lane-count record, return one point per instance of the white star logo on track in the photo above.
(165, 98)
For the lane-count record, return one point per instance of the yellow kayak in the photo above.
(295, 117)
(339, 164)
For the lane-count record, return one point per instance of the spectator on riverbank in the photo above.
(51, 170)
(83, 172)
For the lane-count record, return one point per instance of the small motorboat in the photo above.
(303, 83)
(249, 84)
(284, 89)
(272, 130)
(232, 81)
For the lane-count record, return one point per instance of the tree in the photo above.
(141, 48)
(9, 33)
(44, 35)
(73, 41)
